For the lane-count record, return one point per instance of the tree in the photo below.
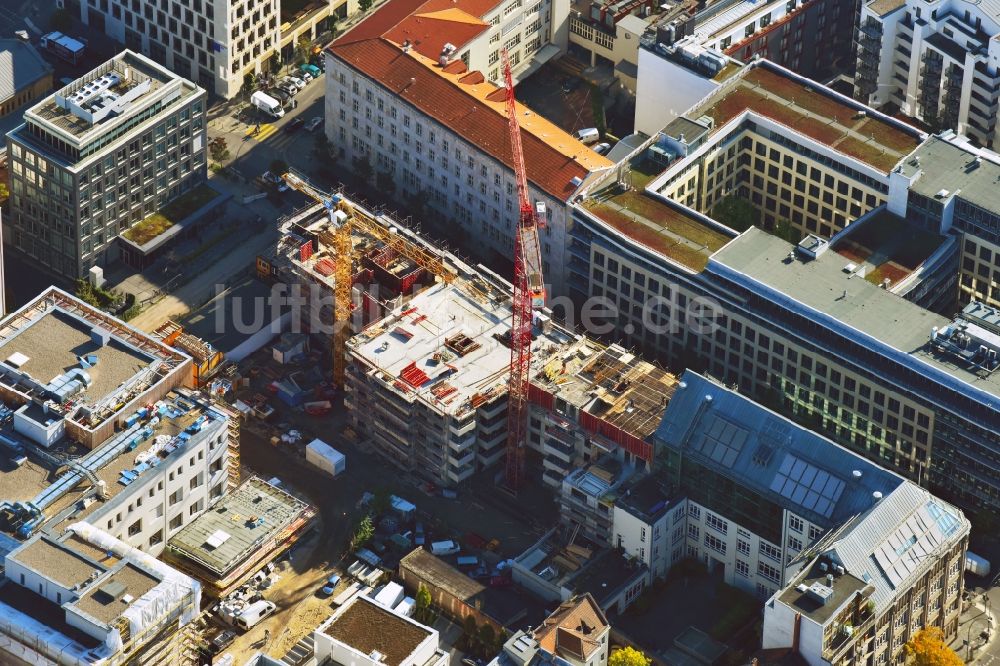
(363, 169)
(628, 656)
(279, 167)
(422, 611)
(61, 20)
(302, 49)
(487, 637)
(4, 192)
(927, 648)
(363, 533)
(249, 83)
(735, 212)
(382, 501)
(219, 149)
(365, 5)
(470, 628)
(275, 62)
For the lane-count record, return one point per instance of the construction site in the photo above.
(87, 597)
(79, 370)
(243, 532)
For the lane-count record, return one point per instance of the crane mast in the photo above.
(529, 293)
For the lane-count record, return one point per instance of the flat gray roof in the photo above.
(53, 343)
(108, 598)
(56, 562)
(822, 286)
(946, 166)
(238, 524)
(20, 66)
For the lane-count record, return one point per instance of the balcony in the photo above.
(459, 446)
(462, 428)
(872, 29)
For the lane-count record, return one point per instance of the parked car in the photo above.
(279, 94)
(330, 585)
(288, 87)
(275, 180)
(314, 123)
(602, 148)
(310, 69)
(569, 85)
(445, 547)
(222, 641)
(298, 81)
(418, 534)
(295, 126)
(319, 63)
(305, 76)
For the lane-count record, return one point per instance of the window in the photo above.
(693, 509)
(693, 531)
(794, 544)
(742, 568)
(176, 521)
(176, 496)
(715, 543)
(156, 538)
(743, 547)
(769, 572)
(814, 533)
(770, 551)
(714, 522)
(135, 528)
(795, 524)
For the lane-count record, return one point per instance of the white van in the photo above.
(253, 614)
(588, 135)
(444, 547)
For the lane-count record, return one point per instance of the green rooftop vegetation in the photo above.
(816, 115)
(892, 246)
(660, 227)
(175, 211)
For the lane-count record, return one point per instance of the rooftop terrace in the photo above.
(886, 247)
(813, 110)
(106, 602)
(664, 228)
(111, 91)
(810, 601)
(241, 522)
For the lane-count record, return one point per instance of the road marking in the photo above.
(266, 130)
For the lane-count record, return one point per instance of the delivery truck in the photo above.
(69, 49)
(267, 104)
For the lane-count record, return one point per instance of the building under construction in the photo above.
(428, 383)
(242, 533)
(70, 369)
(89, 598)
(587, 403)
(306, 259)
(205, 359)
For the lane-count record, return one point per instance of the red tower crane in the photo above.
(529, 293)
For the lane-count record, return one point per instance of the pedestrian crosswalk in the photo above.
(266, 130)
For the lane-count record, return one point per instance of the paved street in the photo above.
(233, 249)
(979, 617)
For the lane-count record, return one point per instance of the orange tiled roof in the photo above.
(474, 111)
(575, 626)
(427, 24)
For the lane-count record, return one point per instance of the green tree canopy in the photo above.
(735, 212)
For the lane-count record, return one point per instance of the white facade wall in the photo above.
(459, 180)
(665, 90)
(159, 503)
(524, 26)
(919, 27)
(689, 530)
(645, 541)
(41, 585)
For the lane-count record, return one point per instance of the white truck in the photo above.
(69, 49)
(267, 104)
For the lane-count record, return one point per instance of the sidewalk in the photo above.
(978, 620)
